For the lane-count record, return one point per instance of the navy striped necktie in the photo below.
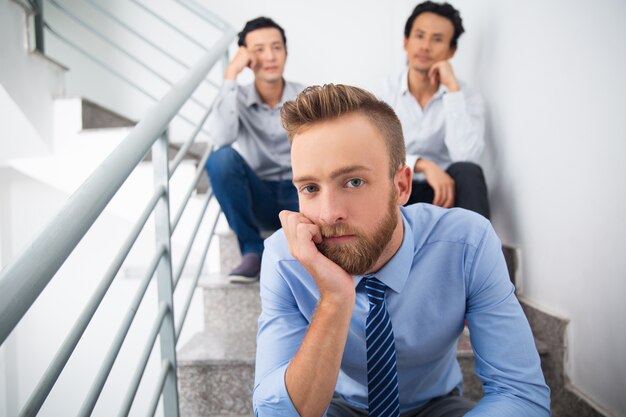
(382, 375)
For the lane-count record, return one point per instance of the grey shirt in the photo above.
(241, 119)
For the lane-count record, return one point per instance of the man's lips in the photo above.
(337, 239)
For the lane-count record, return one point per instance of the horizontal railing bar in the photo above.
(120, 49)
(114, 72)
(191, 239)
(164, 21)
(100, 63)
(194, 284)
(166, 368)
(47, 381)
(131, 392)
(192, 187)
(205, 14)
(23, 280)
(96, 387)
(180, 155)
(144, 39)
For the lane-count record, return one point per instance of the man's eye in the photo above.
(308, 189)
(355, 183)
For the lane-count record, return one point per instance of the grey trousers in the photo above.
(451, 405)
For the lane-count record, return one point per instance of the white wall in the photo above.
(31, 80)
(549, 72)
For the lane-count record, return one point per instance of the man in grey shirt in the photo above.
(252, 183)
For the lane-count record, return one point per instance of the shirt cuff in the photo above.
(270, 397)
(454, 103)
(411, 160)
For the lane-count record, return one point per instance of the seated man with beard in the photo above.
(364, 299)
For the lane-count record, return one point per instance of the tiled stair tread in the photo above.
(220, 280)
(225, 348)
(464, 347)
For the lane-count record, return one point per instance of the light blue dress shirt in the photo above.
(449, 268)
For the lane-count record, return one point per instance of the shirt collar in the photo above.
(254, 98)
(404, 85)
(395, 273)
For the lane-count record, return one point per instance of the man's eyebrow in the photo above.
(333, 175)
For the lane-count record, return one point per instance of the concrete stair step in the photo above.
(230, 307)
(216, 374)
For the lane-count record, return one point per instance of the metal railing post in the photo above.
(167, 335)
(38, 20)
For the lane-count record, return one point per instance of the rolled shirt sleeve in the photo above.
(281, 331)
(506, 358)
(465, 125)
(223, 122)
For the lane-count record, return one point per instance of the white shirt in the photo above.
(450, 129)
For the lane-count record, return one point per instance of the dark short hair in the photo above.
(442, 9)
(317, 104)
(259, 23)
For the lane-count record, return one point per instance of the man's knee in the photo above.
(466, 171)
(222, 162)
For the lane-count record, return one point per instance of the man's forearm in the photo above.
(312, 374)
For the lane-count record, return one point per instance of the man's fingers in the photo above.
(449, 201)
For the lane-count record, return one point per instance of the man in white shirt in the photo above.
(442, 119)
(253, 182)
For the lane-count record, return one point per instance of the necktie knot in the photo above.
(375, 291)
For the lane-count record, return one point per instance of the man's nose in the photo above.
(332, 209)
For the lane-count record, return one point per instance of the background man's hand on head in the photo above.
(442, 73)
(242, 59)
(439, 180)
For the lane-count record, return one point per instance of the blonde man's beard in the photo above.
(358, 257)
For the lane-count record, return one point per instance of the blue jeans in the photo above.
(249, 203)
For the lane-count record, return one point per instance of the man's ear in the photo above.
(451, 53)
(403, 181)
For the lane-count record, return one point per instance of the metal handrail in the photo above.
(111, 70)
(204, 13)
(165, 22)
(192, 238)
(181, 321)
(131, 392)
(96, 388)
(60, 359)
(64, 232)
(154, 45)
(190, 189)
(22, 281)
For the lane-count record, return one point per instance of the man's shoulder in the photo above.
(277, 248)
(391, 85)
(432, 224)
(293, 89)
